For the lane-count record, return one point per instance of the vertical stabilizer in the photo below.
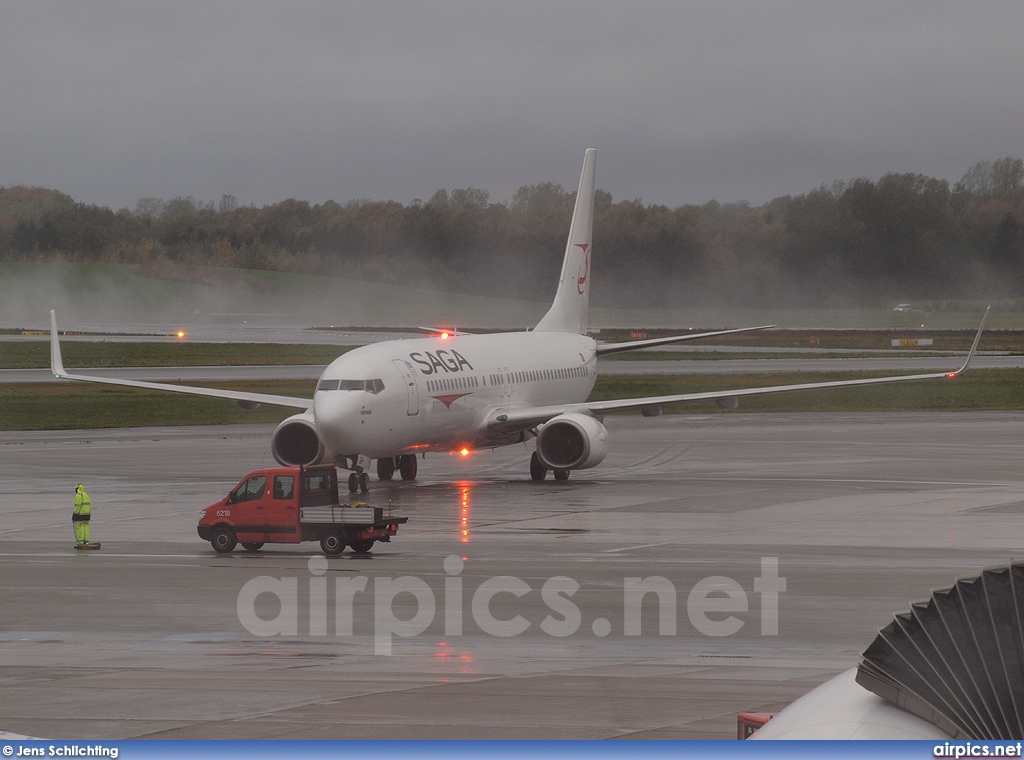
(568, 313)
(56, 362)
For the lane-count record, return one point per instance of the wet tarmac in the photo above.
(633, 601)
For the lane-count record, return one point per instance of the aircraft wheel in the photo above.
(252, 547)
(353, 482)
(537, 470)
(385, 468)
(407, 465)
(223, 539)
(561, 474)
(364, 482)
(362, 546)
(332, 543)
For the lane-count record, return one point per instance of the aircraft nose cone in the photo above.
(337, 417)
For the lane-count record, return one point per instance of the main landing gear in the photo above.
(538, 471)
(405, 465)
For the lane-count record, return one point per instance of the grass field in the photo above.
(68, 406)
(36, 354)
(60, 406)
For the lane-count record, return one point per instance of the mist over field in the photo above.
(87, 295)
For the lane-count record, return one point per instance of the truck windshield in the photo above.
(252, 489)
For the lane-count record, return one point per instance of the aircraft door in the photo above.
(412, 393)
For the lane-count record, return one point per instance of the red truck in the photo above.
(287, 505)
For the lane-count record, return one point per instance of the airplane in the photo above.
(950, 668)
(460, 392)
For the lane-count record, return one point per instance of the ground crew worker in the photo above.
(82, 514)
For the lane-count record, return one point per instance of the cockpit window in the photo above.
(371, 386)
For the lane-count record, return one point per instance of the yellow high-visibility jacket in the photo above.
(83, 505)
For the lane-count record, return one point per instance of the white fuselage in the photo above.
(434, 394)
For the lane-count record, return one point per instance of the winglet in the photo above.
(974, 346)
(56, 362)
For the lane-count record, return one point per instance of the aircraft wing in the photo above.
(614, 348)
(57, 367)
(512, 420)
(452, 331)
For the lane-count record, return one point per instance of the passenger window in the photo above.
(284, 486)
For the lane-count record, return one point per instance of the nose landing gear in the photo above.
(358, 481)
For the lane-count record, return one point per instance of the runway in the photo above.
(147, 638)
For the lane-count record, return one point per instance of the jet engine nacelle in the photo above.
(296, 442)
(572, 441)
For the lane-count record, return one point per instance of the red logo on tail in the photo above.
(581, 279)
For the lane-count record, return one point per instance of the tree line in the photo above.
(860, 242)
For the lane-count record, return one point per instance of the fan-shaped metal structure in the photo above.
(957, 660)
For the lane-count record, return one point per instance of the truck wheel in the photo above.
(223, 539)
(362, 546)
(332, 543)
(253, 547)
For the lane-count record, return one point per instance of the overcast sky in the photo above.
(685, 101)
